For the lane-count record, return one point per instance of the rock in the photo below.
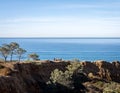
(103, 70)
(32, 77)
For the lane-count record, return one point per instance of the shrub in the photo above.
(34, 56)
(111, 87)
(65, 78)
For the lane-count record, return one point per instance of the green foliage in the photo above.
(34, 56)
(59, 77)
(55, 75)
(14, 49)
(111, 87)
(74, 66)
(4, 51)
(65, 78)
(13, 46)
(10, 50)
(20, 52)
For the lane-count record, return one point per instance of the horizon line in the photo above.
(59, 37)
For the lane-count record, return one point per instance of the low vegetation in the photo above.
(66, 78)
(73, 80)
(110, 87)
(34, 56)
(9, 50)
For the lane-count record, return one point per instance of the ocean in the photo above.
(89, 49)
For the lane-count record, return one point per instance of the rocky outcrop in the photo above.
(26, 77)
(32, 77)
(103, 70)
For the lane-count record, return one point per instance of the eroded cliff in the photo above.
(32, 77)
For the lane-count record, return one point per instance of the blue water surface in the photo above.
(69, 48)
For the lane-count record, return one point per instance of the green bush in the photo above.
(111, 87)
(65, 78)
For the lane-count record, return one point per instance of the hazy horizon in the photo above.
(60, 18)
(67, 37)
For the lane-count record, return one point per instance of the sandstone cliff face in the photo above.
(32, 78)
(103, 70)
(26, 77)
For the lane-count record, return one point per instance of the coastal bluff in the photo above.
(32, 77)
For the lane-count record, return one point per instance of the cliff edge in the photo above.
(32, 77)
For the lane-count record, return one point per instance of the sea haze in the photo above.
(69, 48)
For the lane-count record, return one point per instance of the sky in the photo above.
(59, 18)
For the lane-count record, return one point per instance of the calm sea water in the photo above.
(83, 49)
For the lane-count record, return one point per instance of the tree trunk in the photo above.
(11, 56)
(5, 59)
(19, 58)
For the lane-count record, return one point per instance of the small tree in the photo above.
(20, 52)
(34, 56)
(5, 51)
(13, 47)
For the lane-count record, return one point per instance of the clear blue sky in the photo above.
(59, 18)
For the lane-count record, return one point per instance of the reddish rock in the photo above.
(32, 77)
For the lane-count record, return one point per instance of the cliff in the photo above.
(103, 70)
(32, 77)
